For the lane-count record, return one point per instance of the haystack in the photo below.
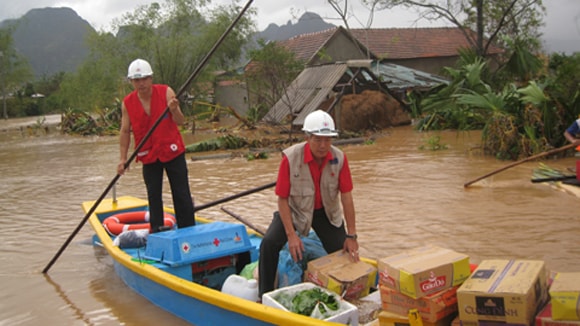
(370, 110)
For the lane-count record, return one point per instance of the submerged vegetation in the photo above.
(433, 143)
(103, 122)
(517, 118)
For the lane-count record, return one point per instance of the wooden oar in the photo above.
(146, 137)
(241, 219)
(531, 158)
(232, 197)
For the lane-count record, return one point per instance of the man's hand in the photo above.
(351, 247)
(121, 167)
(296, 247)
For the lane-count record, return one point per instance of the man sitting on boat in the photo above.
(312, 177)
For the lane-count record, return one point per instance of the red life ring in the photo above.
(116, 224)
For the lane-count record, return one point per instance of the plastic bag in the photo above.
(249, 270)
(132, 239)
(291, 272)
(321, 311)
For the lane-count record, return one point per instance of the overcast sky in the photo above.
(562, 21)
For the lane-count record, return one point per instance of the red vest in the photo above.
(165, 143)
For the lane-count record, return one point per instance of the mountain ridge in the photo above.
(309, 22)
(53, 40)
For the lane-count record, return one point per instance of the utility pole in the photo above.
(479, 6)
(2, 84)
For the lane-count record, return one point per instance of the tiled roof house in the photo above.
(425, 49)
(409, 56)
(328, 46)
(339, 48)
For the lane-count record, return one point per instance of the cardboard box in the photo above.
(458, 322)
(347, 313)
(544, 318)
(565, 294)
(387, 318)
(424, 270)
(505, 291)
(338, 273)
(432, 308)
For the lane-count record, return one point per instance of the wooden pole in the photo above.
(232, 197)
(531, 158)
(247, 223)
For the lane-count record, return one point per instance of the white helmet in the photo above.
(139, 69)
(319, 123)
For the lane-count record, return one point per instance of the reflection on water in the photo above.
(78, 313)
(121, 305)
(404, 198)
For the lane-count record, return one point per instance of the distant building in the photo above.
(424, 49)
(396, 61)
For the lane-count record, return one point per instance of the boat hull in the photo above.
(195, 311)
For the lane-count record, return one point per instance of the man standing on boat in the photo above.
(164, 150)
(314, 191)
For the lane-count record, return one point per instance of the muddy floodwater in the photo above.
(405, 197)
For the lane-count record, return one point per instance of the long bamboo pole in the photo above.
(531, 158)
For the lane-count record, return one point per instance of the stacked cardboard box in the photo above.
(424, 280)
(338, 273)
(432, 308)
(424, 270)
(458, 322)
(391, 319)
(565, 297)
(507, 292)
(544, 318)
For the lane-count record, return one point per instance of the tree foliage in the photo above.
(494, 22)
(174, 37)
(513, 103)
(272, 70)
(518, 119)
(341, 7)
(14, 69)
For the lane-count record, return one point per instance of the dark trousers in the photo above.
(176, 170)
(332, 239)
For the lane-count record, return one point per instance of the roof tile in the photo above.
(407, 43)
(389, 43)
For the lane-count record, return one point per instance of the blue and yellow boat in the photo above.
(182, 270)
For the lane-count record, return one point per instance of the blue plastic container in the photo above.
(197, 243)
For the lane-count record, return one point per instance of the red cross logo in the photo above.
(185, 247)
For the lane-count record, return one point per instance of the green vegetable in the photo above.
(305, 301)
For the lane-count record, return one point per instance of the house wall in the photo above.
(234, 96)
(339, 48)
